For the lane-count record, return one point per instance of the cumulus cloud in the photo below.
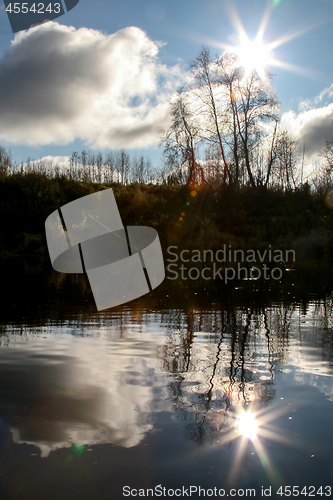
(312, 127)
(60, 83)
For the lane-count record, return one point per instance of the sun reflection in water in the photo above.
(247, 425)
(251, 428)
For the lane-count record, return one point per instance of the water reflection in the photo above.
(162, 383)
(248, 425)
(100, 378)
(58, 390)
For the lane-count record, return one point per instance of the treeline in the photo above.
(118, 167)
(89, 166)
(114, 166)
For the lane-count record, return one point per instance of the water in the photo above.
(180, 388)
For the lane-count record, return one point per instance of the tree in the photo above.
(123, 166)
(111, 164)
(328, 155)
(288, 157)
(255, 105)
(228, 76)
(326, 178)
(138, 171)
(206, 77)
(5, 163)
(99, 164)
(73, 165)
(263, 157)
(181, 141)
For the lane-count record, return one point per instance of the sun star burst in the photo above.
(255, 54)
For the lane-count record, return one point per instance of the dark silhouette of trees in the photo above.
(181, 141)
(5, 162)
(325, 180)
(255, 104)
(287, 156)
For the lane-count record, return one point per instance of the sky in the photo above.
(102, 75)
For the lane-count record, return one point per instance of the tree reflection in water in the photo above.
(227, 359)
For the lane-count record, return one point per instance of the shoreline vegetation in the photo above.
(202, 218)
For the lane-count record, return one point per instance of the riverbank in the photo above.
(201, 219)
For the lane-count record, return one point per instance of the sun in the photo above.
(253, 56)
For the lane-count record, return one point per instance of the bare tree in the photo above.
(263, 157)
(229, 75)
(138, 170)
(123, 166)
(99, 165)
(272, 154)
(206, 74)
(5, 162)
(181, 141)
(325, 180)
(328, 154)
(288, 157)
(255, 104)
(73, 165)
(111, 166)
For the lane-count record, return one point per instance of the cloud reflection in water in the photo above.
(87, 391)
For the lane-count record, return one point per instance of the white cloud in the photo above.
(326, 93)
(53, 161)
(59, 83)
(312, 127)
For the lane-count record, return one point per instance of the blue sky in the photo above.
(40, 119)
